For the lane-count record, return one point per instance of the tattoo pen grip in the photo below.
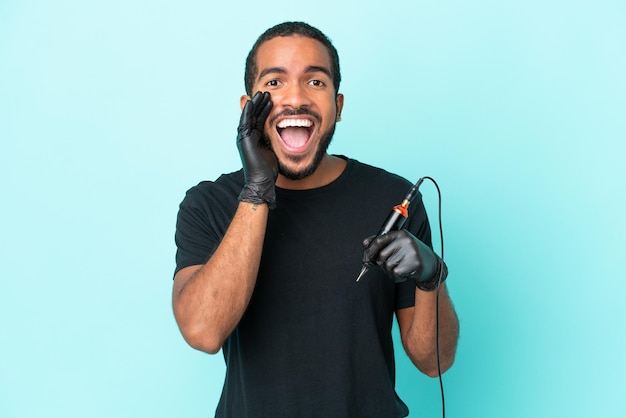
(395, 220)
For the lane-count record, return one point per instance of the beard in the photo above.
(322, 147)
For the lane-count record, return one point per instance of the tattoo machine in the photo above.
(396, 218)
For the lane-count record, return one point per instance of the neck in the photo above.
(329, 169)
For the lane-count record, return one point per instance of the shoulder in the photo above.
(376, 178)
(225, 188)
(388, 189)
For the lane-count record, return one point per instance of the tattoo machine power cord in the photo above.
(395, 221)
(443, 401)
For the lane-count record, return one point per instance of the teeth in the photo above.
(298, 123)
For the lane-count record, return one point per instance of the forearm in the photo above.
(210, 301)
(420, 341)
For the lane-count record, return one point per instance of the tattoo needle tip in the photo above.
(363, 271)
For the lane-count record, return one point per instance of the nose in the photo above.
(294, 95)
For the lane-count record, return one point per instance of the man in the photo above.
(268, 256)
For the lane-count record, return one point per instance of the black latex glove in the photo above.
(404, 257)
(260, 167)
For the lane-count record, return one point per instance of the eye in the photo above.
(317, 83)
(273, 83)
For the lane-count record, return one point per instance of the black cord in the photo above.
(443, 401)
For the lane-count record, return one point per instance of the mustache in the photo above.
(295, 112)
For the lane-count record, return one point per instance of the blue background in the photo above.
(110, 110)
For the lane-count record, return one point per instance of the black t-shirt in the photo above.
(313, 342)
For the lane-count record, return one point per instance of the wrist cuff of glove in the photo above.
(439, 277)
(259, 194)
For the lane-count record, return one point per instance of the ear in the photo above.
(243, 100)
(339, 104)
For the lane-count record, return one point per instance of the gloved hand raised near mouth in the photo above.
(260, 167)
(403, 257)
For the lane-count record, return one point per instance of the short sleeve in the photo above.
(194, 242)
(203, 218)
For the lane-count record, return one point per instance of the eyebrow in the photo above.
(281, 70)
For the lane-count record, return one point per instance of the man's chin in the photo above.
(298, 173)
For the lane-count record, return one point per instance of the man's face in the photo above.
(296, 71)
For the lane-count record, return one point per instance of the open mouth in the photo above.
(295, 133)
